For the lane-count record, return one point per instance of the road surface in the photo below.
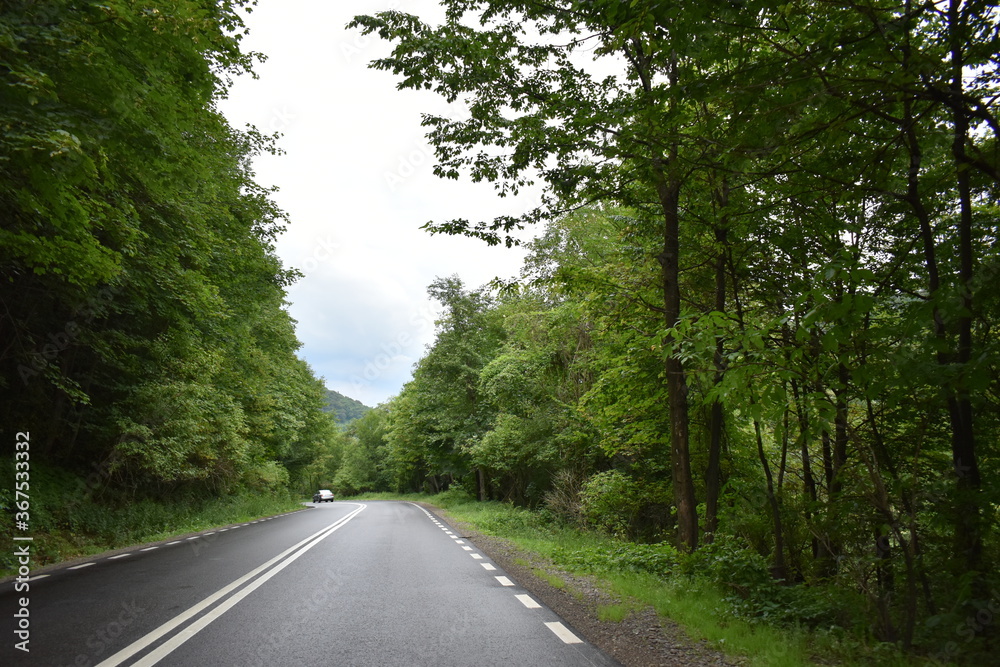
(340, 584)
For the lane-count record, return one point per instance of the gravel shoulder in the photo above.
(642, 639)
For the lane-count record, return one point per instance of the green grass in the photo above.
(615, 613)
(67, 522)
(553, 580)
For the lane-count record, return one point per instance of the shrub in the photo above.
(658, 559)
(754, 594)
(619, 505)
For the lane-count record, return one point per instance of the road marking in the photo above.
(488, 566)
(177, 542)
(459, 541)
(118, 556)
(194, 538)
(467, 548)
(77, 567)
(149, 548)
(269, 569)
(528, 602)
(562, 633)
(222, 530)
(476, 556)
(504, 581)
(37, 577)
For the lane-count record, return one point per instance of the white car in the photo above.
(322, 496)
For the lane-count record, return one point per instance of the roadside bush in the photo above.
(619, 505)
(268, 477)
(563, 500)
(658, 559)
(753, 594)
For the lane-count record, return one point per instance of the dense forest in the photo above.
(758, 321)
(145, 340)
(755, 324)
(344, 408)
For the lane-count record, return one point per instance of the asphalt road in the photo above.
(340, 584)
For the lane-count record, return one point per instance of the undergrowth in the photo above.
(69, 518)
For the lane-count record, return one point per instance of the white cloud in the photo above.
(357, 183)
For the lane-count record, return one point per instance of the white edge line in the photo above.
(528, 602)
(563, 633)
(156, 634)
(37, 577)
(77, 567)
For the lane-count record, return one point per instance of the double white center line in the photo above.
(269, 569)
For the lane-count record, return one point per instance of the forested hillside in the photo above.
(760, 321)
(345, 408)
(146, 348)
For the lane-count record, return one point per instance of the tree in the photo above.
(143, 303)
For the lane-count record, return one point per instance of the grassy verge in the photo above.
(645, 575)
(67, 521)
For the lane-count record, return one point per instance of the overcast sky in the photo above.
(356, 181)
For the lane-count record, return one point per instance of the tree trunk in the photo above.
(713, 476)
(668, 188)
(779, 569)
(968, 531)
(680, 456)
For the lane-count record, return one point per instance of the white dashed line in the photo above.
(562, 633)
(169, 543)
(476, 556)
(37, 577)
(118, 556)
(488, 566)
(77, 567)
(194, 538)
(528, 602)
(212, 533)
(149, 548)
(467, 548)
(504, 581)
(459, 541)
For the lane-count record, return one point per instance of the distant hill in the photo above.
(345, 409)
